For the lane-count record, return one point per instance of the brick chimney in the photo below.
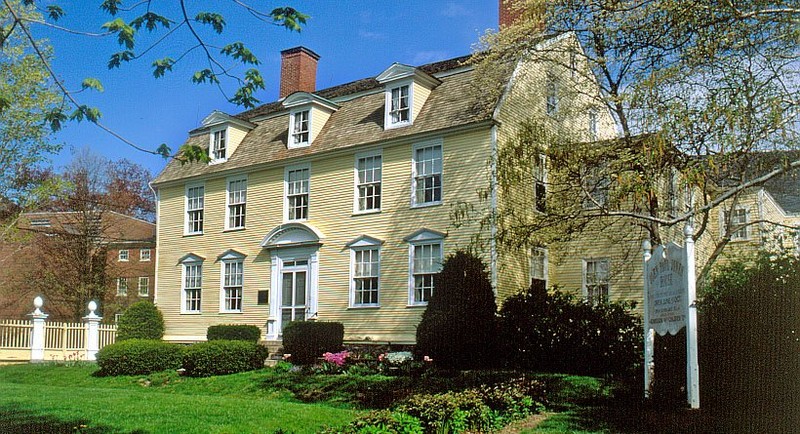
(512, 10)
(298, 71)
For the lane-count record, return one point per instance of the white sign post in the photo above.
(669, 305)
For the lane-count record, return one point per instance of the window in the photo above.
(117, 316)
(595, 280)
(592, 124)
(123, 255)
(539, 267)
(573, 63)
(426, 262)
(595, 187)
(736, 224)
(297, 183)
(144, 286)
(300, 129)
(232, 285)
(144, 255)
(192, 284)
(237, 203)
(218, 145)
(122, 286)
(366, 274)
(368, 183)
(194, 209)
(540, 182)
(552, 96)
(399, 105)
(427, 175)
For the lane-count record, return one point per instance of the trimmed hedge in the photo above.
(233, 332)
(223, 357)
(308, 340)
(139, 357)
(141, 320)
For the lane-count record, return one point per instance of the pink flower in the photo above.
(381, 356)
(427, 359)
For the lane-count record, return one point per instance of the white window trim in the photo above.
(551, 81)
(127, 255)
(228, 258)
(142, 256)
(190, 260)
(291, 143)
(228, 181)
(147, 287)
(286, 171)
(361, 244)
(542, 160)
(356, 197)
(424, 237)
(584, 287)
(593, 124)
(724, 227)
(414, 147)
(186, 208)
(387, 119)
(545, 269)
(119, 286)
(211, 144)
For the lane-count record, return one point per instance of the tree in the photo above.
(702, 95)
(162, 23)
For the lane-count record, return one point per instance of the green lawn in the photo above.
(51, 398)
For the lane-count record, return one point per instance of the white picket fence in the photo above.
(39, 340)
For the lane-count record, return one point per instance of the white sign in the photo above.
(666, 286)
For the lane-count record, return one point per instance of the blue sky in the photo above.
(355, 39)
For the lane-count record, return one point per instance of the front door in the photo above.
(294, 284)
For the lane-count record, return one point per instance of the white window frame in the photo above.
(593, 116)
(286, 201)
(551, 96)
(414, 174)
(229, 260)
(743, 234)
(293, 142)
(218, 135)
(123, 255)
(388, 123)
(357, 184)
(584, 273)
(122, 286)
(191, 261)
(362, 244)
(232, 201)
(421, 238)
(540, 252)
(539, 172)
(187, 222)
(145, 257)
(146, 292)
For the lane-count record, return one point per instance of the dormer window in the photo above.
(400, 111)
(300, 129)
(218, 145)
(222, 145)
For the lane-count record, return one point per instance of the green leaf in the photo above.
(4, 103)
(164, 150)
(92, 83)
(205, 75)
(150, 20)
(216, 21)
(111, 6)
(118, 58)
(55, 12)
(125, 33)
(189, 153)
(289, 18)
(161, 66)
(238, 51)
(55, 119)
(91, 114)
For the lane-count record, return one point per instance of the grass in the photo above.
(51, 398)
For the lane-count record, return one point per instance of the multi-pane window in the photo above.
(218, 145)
(595, 186)
(300, 130)
(593, 124)
(144, 286)
(194, 209)
(237, 203)
(366, 273)
(297, 193)
(426, 262)
(123, 255)
(122, 286)
(539, 267)
(596, 281)
(144, 255)
(539, 182)
(737, 221)
(399, 108)
(232, 285)
(368, 182)
(192, 284)
(551, 89)
(427, 182)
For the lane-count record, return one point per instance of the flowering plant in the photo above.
(337, 359)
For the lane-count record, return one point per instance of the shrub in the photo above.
(138, 357)
(308, 340)
(458, 328)
(141, 320)
(449, 412)
(234, 332)
(223, 357)
(555, 332)
(381, 421)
